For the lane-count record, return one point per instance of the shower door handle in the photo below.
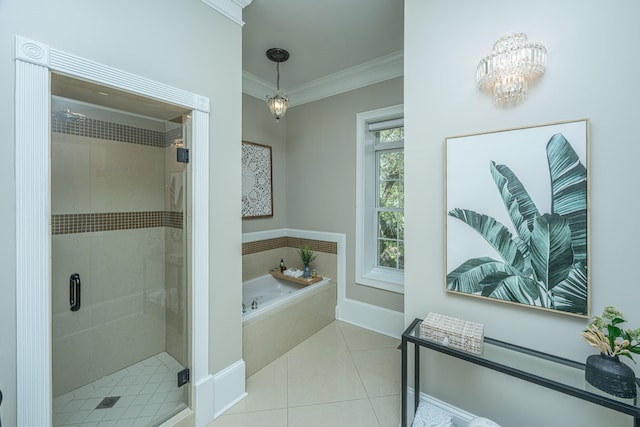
(74, 292)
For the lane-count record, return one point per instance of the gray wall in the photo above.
(168, 42)
(592, 73)
(313, 149)
(321, 175)
(259, 126)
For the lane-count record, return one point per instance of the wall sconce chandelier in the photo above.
(277, 102)
(507, 70)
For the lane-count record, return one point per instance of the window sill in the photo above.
(391, 281)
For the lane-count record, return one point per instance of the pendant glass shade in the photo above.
(277, 105)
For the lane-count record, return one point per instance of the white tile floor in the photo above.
(341, 376)
(148, 392)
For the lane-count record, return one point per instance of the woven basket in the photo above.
(456, 333)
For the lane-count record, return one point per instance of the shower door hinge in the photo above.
(183, 155)
(183, 377)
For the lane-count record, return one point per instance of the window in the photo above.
(380, 199)
(389, 203)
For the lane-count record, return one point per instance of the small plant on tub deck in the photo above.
(604, 333)
(306, 254)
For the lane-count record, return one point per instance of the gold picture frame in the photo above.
(517, 216)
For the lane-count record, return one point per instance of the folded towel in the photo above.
(293, 272)
(429, 415)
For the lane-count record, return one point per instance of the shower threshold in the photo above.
(145, 394)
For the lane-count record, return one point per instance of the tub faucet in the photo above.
(254, 304)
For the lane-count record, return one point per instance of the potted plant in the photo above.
(605, 371)
(307, 256)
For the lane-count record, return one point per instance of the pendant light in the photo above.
(277, 102)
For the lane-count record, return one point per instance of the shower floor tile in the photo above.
(148, 391)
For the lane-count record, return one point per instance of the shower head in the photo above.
(67, 115)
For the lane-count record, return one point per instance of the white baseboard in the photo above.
(203, 398)
(217, 393)
(377, 319)
(229, 387)
(461, 417)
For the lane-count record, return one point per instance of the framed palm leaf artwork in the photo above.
(517, 216)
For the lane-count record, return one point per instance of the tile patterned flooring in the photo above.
(148, 391)
(342, 376)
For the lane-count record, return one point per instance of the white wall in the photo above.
(156, 41)
(592, 69)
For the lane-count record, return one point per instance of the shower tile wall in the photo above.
(130, 281)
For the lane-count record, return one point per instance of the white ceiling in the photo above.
(335, 46)
(323, 37)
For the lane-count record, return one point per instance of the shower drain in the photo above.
(108, 402)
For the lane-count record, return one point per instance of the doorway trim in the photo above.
(34, 61)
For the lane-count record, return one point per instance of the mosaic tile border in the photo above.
(291, 242)
(93, 128)
(92, 222)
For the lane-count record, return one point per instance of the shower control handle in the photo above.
(74, 292)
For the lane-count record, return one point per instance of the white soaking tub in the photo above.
(266, 293)
(284, 314)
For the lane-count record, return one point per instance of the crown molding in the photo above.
(242, 3)
(255, 86)
(232, 9)
(371, 72)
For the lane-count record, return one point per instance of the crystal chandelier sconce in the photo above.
(508, 69)
(277, 102)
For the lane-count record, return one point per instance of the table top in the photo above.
(564, 375)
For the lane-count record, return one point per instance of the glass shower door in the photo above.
(119, 265)
(176, 257)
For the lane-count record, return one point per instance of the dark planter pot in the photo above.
(610, 375)
(306, 272)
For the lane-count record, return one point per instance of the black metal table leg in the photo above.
(416, 377)
(403, 416)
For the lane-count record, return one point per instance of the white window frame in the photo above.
(367, 273)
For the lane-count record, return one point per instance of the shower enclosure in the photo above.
(120, 279)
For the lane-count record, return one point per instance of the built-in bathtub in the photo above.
(284, 314)
(265, 293)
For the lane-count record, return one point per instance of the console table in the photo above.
(546, 370)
